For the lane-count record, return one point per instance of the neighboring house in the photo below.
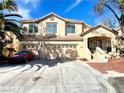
(67, 37)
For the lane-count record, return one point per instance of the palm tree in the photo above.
(8, 4)
(113, 5)
(8, 23)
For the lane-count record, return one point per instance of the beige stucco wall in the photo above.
(85, 28)
(78, 29)
(63, 45)
(60, 26)
(81, 46)
(119, 32)
(100, 32)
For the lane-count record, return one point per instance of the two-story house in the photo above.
(68, 37)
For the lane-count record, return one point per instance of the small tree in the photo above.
(117, 8)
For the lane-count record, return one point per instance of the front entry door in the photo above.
(98, 43)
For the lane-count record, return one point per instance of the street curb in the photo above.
(113, 74)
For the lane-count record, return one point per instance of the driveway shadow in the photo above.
(48, 62)
(43, 62)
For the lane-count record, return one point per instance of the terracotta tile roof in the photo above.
(30, 21)
(53, 14)
(29, 38)
(72, 21)
(76, 21)
(62, 38)
(98, 26)
(67, 38)
(64, 19)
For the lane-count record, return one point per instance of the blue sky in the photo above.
(74, 9)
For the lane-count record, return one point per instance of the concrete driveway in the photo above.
(52, 77)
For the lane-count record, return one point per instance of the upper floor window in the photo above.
(70, 28)
(51, 27)
(33, 28)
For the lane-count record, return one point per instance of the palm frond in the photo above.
(2, 35)
(14, 28)
(12, 20)
(3, 4)
(13, 15)
(11, 4)
(8, 4)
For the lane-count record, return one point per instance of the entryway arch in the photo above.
(99, 41)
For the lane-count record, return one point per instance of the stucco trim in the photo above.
(97, 27)
(66, 20)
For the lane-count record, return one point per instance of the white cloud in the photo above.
(73, 6)
(25, 13)
(25, 7)
(33, 2)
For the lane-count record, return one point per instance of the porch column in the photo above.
(86, 42)
(85, 51)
